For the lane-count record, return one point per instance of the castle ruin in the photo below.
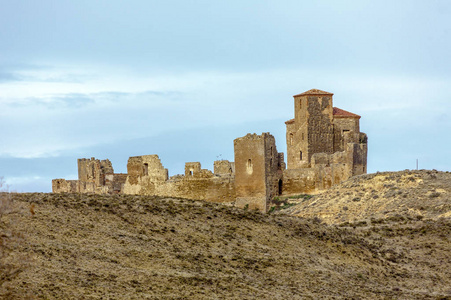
(324, 147)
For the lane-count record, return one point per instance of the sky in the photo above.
(182, 79)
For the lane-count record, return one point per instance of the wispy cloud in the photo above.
(6, 76)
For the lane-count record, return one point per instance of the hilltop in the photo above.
(370, 197)
(74, 246)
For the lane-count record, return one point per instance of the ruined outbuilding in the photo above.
(324, 147)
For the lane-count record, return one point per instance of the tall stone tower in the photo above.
(311, 131)
(258, 171)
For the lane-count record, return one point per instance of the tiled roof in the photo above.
(289, 121)
(341, 113)
(314, 92)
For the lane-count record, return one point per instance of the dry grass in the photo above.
(411, 194)
(11, 262)
(137, 247)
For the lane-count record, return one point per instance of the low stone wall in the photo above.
(298, 181)
(312, 180)
(213, 189)
(65, 186)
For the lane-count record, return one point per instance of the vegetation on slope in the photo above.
(136, 247)
(411, 194)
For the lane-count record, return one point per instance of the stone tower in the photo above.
(258, 171)
(311, 131)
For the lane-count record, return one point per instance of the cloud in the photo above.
(8, 77)
(28, 184)
(116, 108)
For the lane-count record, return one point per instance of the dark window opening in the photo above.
(146, 169)
(190, 173)
(280, 187)
(300, 155)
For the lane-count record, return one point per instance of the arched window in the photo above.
(291, 139)
(249, 168)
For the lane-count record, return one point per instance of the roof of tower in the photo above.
(341, 113)
(314, 92)
(289, 121)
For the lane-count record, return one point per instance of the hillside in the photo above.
(128, 247)
(411, 194)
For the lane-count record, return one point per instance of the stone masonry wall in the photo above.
(257, 171)
(197, 183)
(65, 186)
(250, 172)
(224, 167)
(341, 127)
(324, 147)
(320, 125)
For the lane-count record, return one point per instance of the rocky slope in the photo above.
(412, 194)
(128, 247)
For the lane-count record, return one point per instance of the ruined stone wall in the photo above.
(146, 165)
(324, 147)
(274, 169)
(328, 169)
(91, 175)
(115, 182)
(65, 186)
(343, 125)
(358, 152)
(250, 171)
(298, 181)
(223, 167)
(257, 171)
(94, 176)
(311, 180)
(197, 183)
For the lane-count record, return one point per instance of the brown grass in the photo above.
(137, 247)
(11, 262)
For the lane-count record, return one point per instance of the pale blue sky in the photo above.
(182, 79)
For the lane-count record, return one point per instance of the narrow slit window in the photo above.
(146, 169)
(249, 168)
(300, 155)
(280, 187)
